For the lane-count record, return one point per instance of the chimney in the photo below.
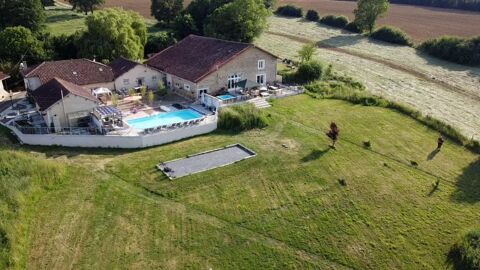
(23, 65)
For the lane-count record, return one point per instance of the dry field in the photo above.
(446, 91)
(419, 22)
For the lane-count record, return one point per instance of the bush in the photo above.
(459, 50)
(353, 27)
(241, 117)
(465, 254)
(335, 21)
(289, 11)
(312, 15)
(311, 71)
(392, 35)
(158, 42)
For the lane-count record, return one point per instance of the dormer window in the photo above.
(261, 64)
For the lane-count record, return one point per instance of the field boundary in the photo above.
(401, 68)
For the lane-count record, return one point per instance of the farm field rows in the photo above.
(282, 209)
(419, 22)
(446, 91)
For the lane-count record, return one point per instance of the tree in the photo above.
(184, 25)
(158, 42)
(86, 5)
(27, 13)
(19, 44)
(306, 52)
(367, 13)
(200, 10)
(240, 20)
(112, 33)
(143, 91)
(150, 97)
(114, 100)
(166, 10)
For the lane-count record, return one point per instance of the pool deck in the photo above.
(205, 161)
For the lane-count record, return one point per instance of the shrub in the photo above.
(459, 50)
(335, 21)
(311, 71)
(392, 35)
(353, 27)
(241, 117)
(312, 15)
(465, 254)
(289, 11)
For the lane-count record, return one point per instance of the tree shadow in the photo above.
(432, 154)
(468, 184)
(341, 41)
(435, 61)
(315, 154)
(62, 18)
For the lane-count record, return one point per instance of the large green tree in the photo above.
(27, 13)
(112, 33)
(166, 10)
(200, 10)
(19, 44)
(86, 5)
(367, 13)
(240, 20)
(184, 25)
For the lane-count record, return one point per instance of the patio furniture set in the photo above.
(173, 126)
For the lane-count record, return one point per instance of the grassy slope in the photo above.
(282, 209)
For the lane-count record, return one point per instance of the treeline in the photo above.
(470, 5)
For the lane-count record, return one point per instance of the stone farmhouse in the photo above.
(198, 65)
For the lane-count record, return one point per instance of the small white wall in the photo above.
(115, 141)
(140, 71)
(3, 94)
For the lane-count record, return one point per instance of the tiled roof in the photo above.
(77, 71)
(121, 65)
(3, 76)
(51, 92)
(195, 57)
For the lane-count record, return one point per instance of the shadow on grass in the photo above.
(433, 154)
(62, 18)
(341, 41)
(315, 154)
(468, 184)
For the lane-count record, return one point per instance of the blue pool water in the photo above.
(226, 97)
(164, 119)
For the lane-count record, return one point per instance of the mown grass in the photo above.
(282, 209)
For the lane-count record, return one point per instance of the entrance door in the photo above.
(169, 81)
(232, 81)
(201, 92)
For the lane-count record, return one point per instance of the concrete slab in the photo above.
(205, 161)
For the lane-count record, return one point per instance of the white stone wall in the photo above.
(140, 71)
(115, 141)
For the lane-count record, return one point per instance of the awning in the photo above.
(247, 84)
(100, 91)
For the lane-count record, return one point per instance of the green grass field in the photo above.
(284, 209)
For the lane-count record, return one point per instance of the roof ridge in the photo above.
(39, 65)
(222, 40)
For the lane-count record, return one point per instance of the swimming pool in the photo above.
(162, 119)
(226, 97)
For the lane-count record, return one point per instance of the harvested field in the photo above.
(420, 23)
(446, 91)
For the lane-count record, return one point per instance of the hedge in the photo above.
(289, 11)
(464, 51)
(335, 21)
(312, 15)
(392, 35)
(241, 117)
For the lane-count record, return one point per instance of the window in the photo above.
(154, 78)
(232, 81)
(201, 92)
(186, 87)
(261, 64)
(126, 81)
(261, 79)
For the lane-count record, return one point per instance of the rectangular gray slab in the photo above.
(205, 161)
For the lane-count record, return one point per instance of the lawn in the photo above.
(282, 209)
